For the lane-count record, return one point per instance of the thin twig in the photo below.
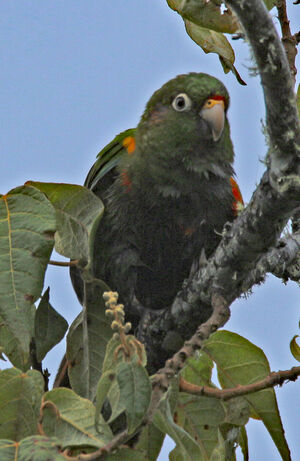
(288, 40)
(273, 379)
(72, 263)
(62, 372)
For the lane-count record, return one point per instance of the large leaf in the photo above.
(87, 340)
(150, 441)
(108, 386)
(135, 392)
(34, 448)
(11, 346)
(206, 14)
(20, 399)
(110, 364)
(127, 454)
(78, 211)
(214, 42)
(203, 418)
(49, 326)
(27, 225)
(213, 423)
(71, 419)
(198, 370)
(241, 362)
(163, 420)
(219, 452)
(210, 41)
(103, 387)
(204, 23)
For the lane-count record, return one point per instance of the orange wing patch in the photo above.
(238, 199)
(129, 144)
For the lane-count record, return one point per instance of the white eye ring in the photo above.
(182, 102)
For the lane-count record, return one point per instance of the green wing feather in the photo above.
(107, 160)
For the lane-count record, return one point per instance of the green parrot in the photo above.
(168, 190)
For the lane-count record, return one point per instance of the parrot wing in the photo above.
(99, 179)
(238, 201)
(101, 175)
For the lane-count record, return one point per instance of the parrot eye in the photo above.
(182, 102)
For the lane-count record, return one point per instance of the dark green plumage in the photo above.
(167, 196)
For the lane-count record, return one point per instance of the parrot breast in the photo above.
(166, 232)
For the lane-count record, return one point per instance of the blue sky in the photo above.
(74, 74)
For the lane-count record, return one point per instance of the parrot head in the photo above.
(183, 132)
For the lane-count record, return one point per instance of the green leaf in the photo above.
(219, 452)
(243, 443)
(110, 364)
(71, 418)
(201, 417)
(111, 361)
(8, 450)
(104, 384)
(11, 347)
(86, 346)
(35, 448)
(210, 41)
(40, 448)
(164, 421)
(227, 66)
(27, 225)
(241, 362)
(198, 370)
(78, 211)
(1, 348)
(127, 454)
(20, 399)
(269, 4)
(150, 441)
(214, 42)
(135, 392)
(205, 417)
(295, 349)
(49, 326)
(206, 14)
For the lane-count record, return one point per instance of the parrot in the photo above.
(168, 189)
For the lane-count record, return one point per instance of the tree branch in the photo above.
(281, 111)
(282, 261)
(219, 317)
(273, 379)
